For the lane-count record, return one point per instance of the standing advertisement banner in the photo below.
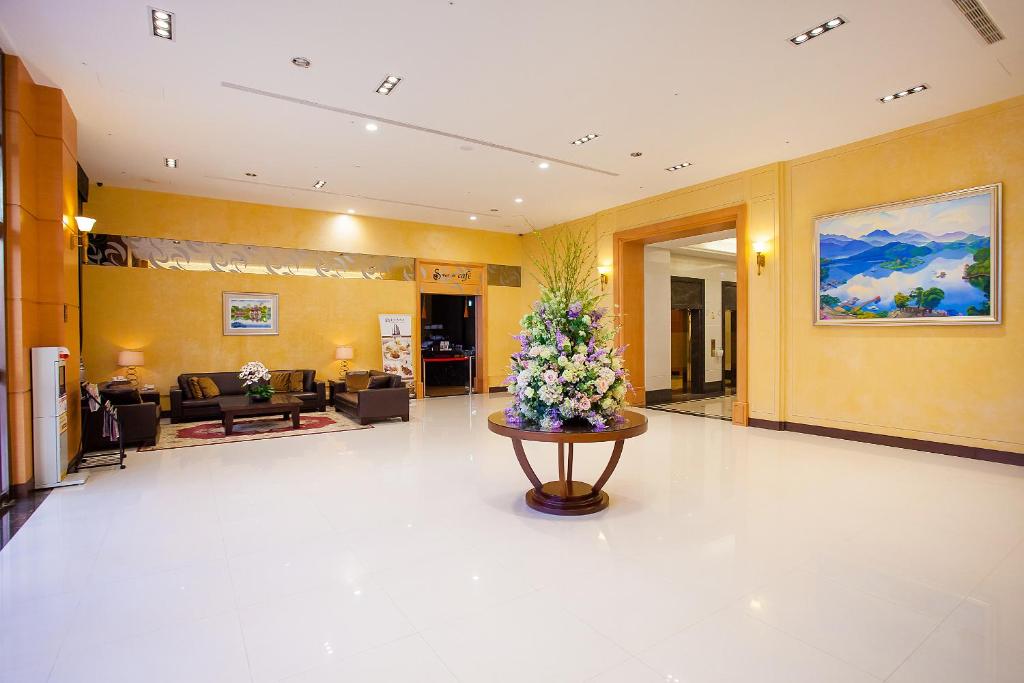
(396, 345)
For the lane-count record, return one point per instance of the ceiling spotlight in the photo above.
(679, 166)
(372, 127)
(585, 138)
(518, 200)
(802, 38)
(351, 211)
(319, 184)
(250, 174)
(163, 23)
(301, 62)
(388, 84)
(170, 163)
(543, 165)
(903, 93)
(636, 154)
(472, 218)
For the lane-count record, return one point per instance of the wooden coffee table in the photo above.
(243, 406)
(567, 496)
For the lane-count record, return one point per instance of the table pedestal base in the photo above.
(581, 498)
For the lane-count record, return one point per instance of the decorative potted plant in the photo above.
(255, 380)
(567, 369)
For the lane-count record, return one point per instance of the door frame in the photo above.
(628, 267)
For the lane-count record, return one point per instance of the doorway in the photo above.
(628, 248)
(687, 342)
(448, 343)
(729, 329)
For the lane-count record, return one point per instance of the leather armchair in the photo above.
(375, 403)
(139, 421)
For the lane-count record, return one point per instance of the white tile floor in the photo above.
(405, 552)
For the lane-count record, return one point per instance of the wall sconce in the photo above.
(84, 223)
(344, 354)
(759, 249)
(604, 272)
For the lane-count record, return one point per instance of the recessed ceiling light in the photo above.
(163, 23)
(543, 165)
(818, 30)
(585, 138)
(301, 62)
(372, 127)
(472, 218)
(636, 154)
(250, 174)
(685, 164)
(351, 210)
(319, 184)
(903, 93)
(518, 200)
(388, 84)
(170, 163)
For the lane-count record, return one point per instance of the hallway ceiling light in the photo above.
(319, 184)
(903, 93)
(170, 163)
(518, 200)
(388, 84)
(679, 166)
(543, 165)
(163, 23)
(301, 62)
(586, 138)
(372, 127)
(817, 31)
(351, 211)
(472, 218)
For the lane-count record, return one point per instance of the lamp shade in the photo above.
(344, 353)
(84, 223)
(127, 359)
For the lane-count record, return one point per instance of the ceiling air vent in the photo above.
(980, 20)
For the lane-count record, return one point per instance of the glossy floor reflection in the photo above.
(406, 552)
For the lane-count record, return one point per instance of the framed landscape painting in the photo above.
(249, 313)
(928, 261)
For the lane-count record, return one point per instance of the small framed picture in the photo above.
(249, 313)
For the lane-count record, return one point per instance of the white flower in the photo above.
(550, 376)
(536, 351)
(528, 392)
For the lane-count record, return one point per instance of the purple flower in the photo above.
(560, 339)
(575, 310)
(512, 416)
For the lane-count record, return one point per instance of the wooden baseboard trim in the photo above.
(23, 490)
(497, 390)
(657, 396)
(956, 450)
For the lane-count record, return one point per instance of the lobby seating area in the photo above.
(491, 342)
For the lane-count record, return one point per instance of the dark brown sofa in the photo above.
(185, 407)
(386, 396)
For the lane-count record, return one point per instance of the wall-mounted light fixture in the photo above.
(84, 223)
(759, 249)
(344, 354)
(604, 272)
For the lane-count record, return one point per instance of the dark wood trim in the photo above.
(956, 450)
(498, 390)
(658, 396)
(23, 490)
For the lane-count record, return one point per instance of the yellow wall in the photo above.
(175, 317)
(40, 250)
(962, 385)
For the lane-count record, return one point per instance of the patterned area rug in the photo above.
(206, 433)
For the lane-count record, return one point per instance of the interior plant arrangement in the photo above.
(255, 380)
(568, 369)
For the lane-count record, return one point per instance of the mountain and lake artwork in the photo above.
(932, 260)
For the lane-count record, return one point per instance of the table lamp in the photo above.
(131, 360)
(344, 354)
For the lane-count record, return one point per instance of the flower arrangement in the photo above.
(254, 376)
(567, 368)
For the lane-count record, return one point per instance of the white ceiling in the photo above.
(714, 83)
(709, 246)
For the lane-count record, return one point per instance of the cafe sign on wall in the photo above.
(449, 277)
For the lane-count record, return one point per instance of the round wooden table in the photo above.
(566, 496)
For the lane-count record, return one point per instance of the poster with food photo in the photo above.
(396, 344)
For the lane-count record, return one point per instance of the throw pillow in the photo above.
(193, 385)
(208, 387)
(357, 381)
(296, 381)
(280, 381)
(380, 382)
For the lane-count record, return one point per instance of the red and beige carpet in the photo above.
(189, 434)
